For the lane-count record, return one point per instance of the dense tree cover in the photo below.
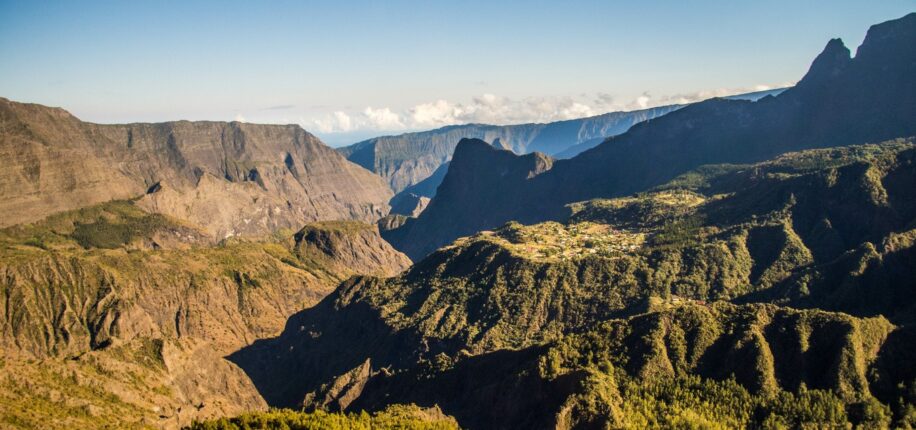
(794, 230)
(693, 366)
(394, 417)
(691, 402)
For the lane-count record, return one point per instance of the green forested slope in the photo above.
(631, 296)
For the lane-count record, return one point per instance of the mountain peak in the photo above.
(471, 145)
(828, 64)
(840, 101)
(889, 40)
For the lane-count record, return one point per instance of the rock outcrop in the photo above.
(409, 204)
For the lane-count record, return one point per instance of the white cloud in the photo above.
(604, 99)
(337, 122)
(704, 95)
(383, 119)
(642, 101)
(239, 117)
(493, 109)
(343, 120)
(437, 112)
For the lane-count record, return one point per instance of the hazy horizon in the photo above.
(347, 73)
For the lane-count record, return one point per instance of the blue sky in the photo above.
(346, 70)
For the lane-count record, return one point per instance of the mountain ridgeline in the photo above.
(229, 178)
(840, 101)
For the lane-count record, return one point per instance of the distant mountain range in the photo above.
(578, 148)
(229, 178)
(840, 101)
(407, 159)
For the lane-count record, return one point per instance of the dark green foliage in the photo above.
(644, 336)
(679, 232)
(670, 370)
(394, 417)
(107, 226)
(790, 230)
(642, 211)
(694, 402)
(107, 234)
(841, 101)
(623, 338)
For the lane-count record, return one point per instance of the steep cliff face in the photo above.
(841, 101)
(142, 308)
(410, 158)
(52, 164)
(426, 187)
(229, 178)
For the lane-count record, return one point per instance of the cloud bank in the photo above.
(493, 109)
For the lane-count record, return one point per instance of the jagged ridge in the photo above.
(841, 101)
